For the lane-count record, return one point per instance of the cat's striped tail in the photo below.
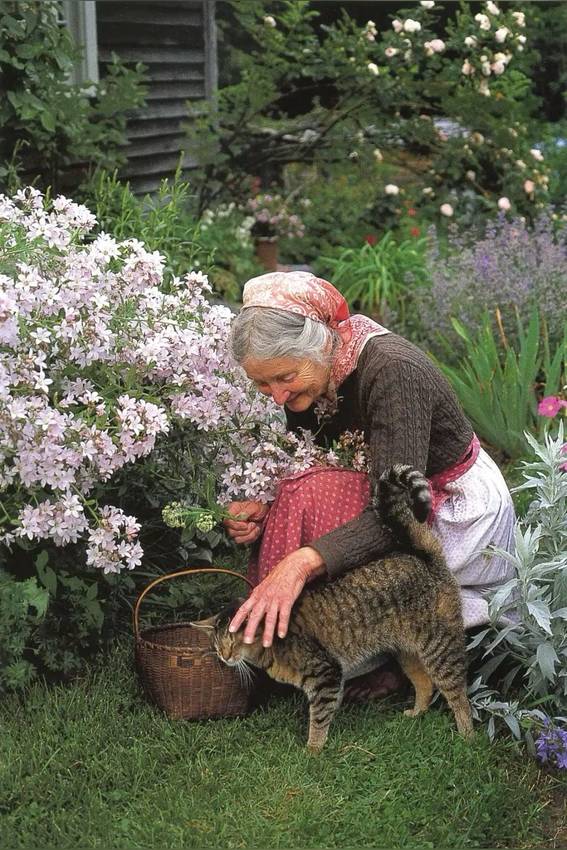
(403, 503)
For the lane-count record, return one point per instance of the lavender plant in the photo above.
(512, 267)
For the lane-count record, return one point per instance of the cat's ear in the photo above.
(207, 625)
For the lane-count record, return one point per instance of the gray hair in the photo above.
(266, 334)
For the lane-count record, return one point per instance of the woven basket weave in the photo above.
(179, 670)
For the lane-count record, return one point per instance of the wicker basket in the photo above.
(180, 672)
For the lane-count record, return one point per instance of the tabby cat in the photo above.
(406, 603)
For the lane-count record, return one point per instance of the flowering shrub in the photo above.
(271, 218)
(115, 387)
(474, 71)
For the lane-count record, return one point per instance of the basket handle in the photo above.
(175, 575)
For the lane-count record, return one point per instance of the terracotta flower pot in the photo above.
(267, 253)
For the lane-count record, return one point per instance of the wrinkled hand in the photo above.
(274, 597)
(248, 527)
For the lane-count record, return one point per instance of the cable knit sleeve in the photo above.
(396, 405)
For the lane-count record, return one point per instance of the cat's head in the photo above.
(229, 646)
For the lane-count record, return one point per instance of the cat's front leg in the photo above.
(325, 693)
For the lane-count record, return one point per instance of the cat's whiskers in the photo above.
(245, 673)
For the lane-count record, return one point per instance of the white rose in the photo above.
(498, 67)
(485, 67)
(427, 190)
(427, 4)
(501, 34)
(537, 154)
(446, 209)
(521, 164)
(520, 18)
(397, 25)
(437, 45)
(492, 8)
(373, 68)
(529, 186)
(504, 204)
(522, 39)
(377, 154)
(412, 26)
(391, 189)
(428, 49)
(391, 51)
(471, 175)
(483, 21)
(483, 88)
(269, 21)
(471, 41)
(467, 68)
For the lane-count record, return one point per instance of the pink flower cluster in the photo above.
(100, 357)
(272, 217)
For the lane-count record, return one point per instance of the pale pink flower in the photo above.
(504, 204)
(446, 210)
(529, 187)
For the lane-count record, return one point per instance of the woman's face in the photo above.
(289, 380)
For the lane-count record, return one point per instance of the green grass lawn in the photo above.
(91, 764)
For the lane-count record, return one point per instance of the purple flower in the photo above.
(551, 746)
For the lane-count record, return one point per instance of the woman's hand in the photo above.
(248, 527)
(273, 598)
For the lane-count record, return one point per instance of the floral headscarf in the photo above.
(307, 295)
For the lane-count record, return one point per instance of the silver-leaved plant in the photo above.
(528, 633)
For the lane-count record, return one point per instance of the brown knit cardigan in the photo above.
(408, 413)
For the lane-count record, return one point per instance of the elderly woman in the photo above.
(333, 372)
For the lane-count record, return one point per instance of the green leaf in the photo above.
(48, 121)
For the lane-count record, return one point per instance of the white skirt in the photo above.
(479, 513)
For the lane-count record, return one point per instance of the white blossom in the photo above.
(269, 21)
(501, 34)
(446, 210)
(391, 189)
(537, 154)
(411, 25)
(492, 8)
(504, 204)
(483, 21)
(373, 68)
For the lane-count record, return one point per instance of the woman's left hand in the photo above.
(274, 597)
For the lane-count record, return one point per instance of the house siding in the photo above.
(176, 40)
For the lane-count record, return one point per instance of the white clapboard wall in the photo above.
(176, 40)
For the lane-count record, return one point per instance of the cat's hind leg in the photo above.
(443, 657)
(421, 681)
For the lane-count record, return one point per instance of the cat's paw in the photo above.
(413, 712)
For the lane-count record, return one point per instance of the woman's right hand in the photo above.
(248, 527)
